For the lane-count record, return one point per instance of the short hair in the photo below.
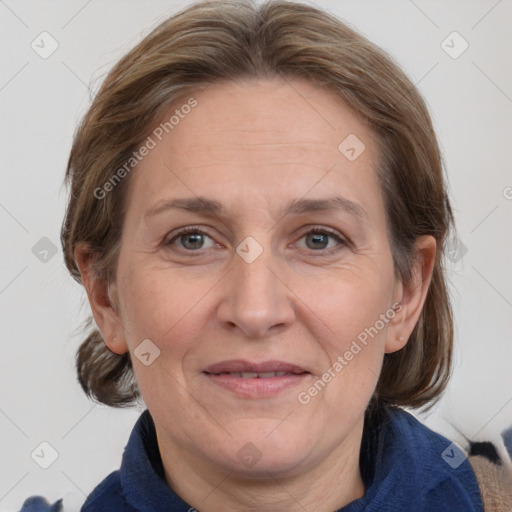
(219, 41)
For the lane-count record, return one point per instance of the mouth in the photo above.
(255, 380)
(255, 375)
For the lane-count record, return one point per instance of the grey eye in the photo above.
(317, 240)
(192, 240)
(321, 238)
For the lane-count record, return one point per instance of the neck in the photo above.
(323, 486)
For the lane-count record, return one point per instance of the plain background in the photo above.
(42, 101)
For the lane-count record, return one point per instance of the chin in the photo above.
(255, 456)
(278, 466)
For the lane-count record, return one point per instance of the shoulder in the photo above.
(433, 467)
(107, 496)
(438, 458)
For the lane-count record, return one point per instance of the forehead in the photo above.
(280, 137)
(270, 114)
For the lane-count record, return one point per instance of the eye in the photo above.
(191, 239)
(318, 239)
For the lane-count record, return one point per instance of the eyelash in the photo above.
(321, 230)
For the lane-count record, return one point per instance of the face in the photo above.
(254, 257)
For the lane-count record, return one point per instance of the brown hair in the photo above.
(232, 40)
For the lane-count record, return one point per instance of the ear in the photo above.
(102, 299)
(411, 296)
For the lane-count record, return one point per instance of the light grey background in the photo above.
(43, 99)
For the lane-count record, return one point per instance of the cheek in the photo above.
(354, 348)
(354, 306)
(347, 300)
(162, 306)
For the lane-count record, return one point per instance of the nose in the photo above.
(255, 299)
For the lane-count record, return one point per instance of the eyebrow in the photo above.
(200, 204)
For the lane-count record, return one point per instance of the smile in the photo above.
(256, 379)
(256, 375)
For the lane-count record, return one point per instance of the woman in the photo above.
(258, 215)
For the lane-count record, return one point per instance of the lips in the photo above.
(247, 369)
(255, 375)
(263, 380)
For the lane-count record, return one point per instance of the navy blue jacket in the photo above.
(405, 467)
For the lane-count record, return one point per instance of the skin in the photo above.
(253, 147)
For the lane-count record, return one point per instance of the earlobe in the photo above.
(116, 346)
(413, 294)
(102, 301)
(395, 343)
